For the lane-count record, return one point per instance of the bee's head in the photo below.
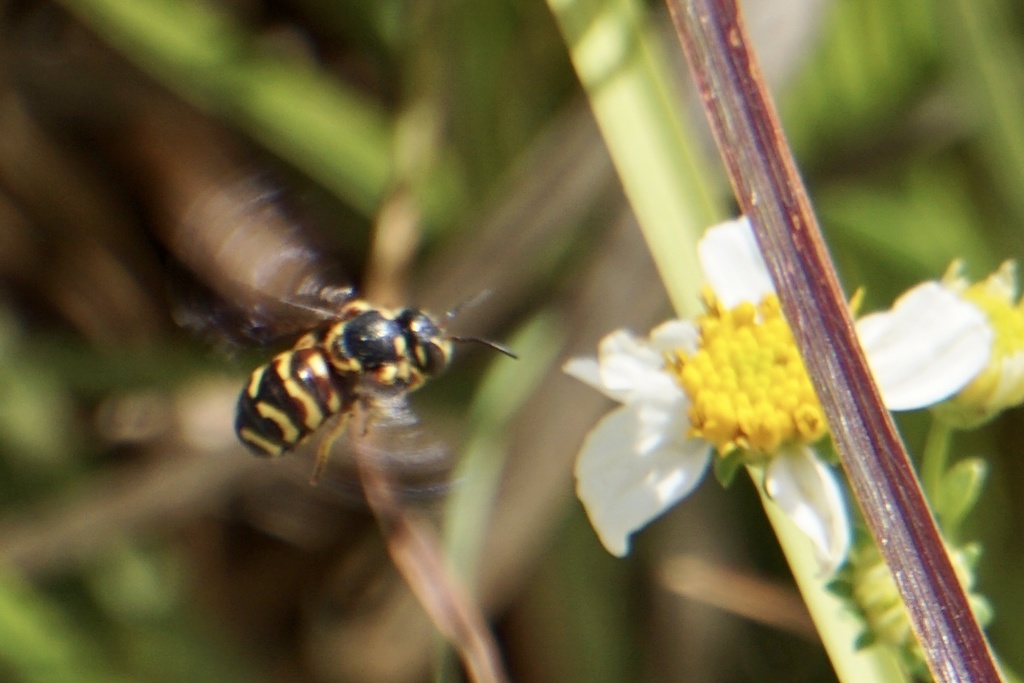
(430, 346)
(430, 349)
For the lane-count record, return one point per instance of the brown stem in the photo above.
(771, 193)
(416, 552)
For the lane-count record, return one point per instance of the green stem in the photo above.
(620, 63)
(934, 460)
(836, 623)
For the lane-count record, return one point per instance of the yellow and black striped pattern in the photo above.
(364, 352)
(287, 399)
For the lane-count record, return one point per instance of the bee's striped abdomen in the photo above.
(287, 399)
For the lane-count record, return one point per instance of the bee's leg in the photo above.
(323, 452)
(362, 413)
(365, 420)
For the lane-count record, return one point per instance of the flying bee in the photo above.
(247, 272)
(362, 357)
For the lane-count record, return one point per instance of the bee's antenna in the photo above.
(472, 301)
(488, 343)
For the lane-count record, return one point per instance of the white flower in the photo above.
(1000, 385)
(733, 379)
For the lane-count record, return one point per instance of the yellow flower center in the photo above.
(1007, 320)
(747, 384)
(1001, 384)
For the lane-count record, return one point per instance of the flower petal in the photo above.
(1002, 284)
(806, 489)
(661, 420)
(676, 335)
(624, 487)
(1009, 390)
(927, 347)
(632, 368)
(627, 368)
(585, 370)
(733, 264)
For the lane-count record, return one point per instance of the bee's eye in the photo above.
(429, 348)
(432, 355)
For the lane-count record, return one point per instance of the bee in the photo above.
(248, 271)
(363, 356)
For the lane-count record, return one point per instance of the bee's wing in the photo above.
(246, 271)
(417, 462)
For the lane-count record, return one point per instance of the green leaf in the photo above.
(840, 588)
(336, 135)
(40, 644)
(865, 640)
(726, 467)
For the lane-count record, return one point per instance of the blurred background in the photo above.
(171, 169)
